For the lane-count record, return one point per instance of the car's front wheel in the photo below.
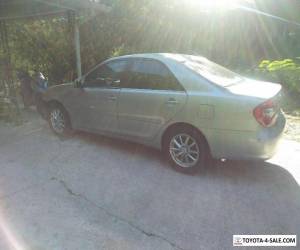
(185, 148)
(59, 120)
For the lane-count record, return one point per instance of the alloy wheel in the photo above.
(184, 150)
(57, 121)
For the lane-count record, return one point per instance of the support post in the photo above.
(10, 89)
(77, 47)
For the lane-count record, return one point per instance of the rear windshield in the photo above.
(212, 71)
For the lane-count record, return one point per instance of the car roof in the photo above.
(164, 57)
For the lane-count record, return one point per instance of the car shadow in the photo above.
(245, 197)
(120, 145)
(246, 171)
(251, 172)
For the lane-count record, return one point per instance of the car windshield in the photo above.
(212, 71)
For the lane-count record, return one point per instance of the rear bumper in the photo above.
(246, 145)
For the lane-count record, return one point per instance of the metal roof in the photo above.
(14, 9)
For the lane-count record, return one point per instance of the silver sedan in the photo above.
(187, 106)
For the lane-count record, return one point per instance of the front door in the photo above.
(149, 98)
(100, 95)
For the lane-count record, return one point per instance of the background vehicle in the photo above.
(187, 106)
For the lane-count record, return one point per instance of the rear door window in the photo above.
(150, 74)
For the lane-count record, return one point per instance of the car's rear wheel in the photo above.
(59, 120)
(186, 149)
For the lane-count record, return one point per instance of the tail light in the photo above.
(266, 113)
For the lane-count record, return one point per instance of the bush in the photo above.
(286, 72)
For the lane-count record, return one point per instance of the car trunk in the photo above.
(268, 99)
(253, 88)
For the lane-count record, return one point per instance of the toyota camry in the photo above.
(187, 106)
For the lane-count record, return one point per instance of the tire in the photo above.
(186, 150)
(59, 120)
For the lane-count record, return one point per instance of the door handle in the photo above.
(112, 98)
(172, 101)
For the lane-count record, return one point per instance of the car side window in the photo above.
(151, 74)
(106, 73)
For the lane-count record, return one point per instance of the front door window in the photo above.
(106, 75)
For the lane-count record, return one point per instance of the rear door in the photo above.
(150, 96)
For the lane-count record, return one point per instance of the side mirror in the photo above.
(78, 83)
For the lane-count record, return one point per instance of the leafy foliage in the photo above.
(287, 72)
(42, 45)
(236, 39)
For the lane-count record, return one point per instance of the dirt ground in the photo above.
(292, 131)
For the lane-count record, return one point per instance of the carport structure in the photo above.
(33, 9)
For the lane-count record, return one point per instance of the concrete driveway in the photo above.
(91, 192)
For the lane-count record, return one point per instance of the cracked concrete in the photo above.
(90, 192)
(149, 234)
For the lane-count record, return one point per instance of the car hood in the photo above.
(58, 90)
(254, 88)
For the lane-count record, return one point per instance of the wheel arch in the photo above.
(54, 102)
(184, 125)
